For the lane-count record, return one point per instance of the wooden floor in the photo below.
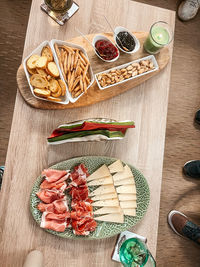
(182, 137)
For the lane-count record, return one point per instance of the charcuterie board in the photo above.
(94, 94)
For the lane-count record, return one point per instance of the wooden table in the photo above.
(28, 152)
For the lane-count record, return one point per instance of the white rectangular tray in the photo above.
(59, 42)
(37, 51)
(151, 57)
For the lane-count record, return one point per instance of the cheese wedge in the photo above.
(107, 210)
(116, 166)
(103, 171)
(102, 181)
(125, 181)
(104, 189)
(106, 203)
(124, 197)
(130, 212)
(105, 196)
(126, 189)
(128, 204)
(115, 217)
(123, 175)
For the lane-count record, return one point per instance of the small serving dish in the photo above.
(126, 72)
(75, 47)
(38, 51)
(120, 29)
(102, 37)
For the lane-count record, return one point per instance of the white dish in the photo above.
(38, 51)
(59, 42)
(137, 43)
(151, 57)
(102, 37)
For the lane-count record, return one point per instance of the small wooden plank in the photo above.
(94, 94)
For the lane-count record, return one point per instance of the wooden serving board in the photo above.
(94, 94)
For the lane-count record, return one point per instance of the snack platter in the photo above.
(94, 93)
(109, 223)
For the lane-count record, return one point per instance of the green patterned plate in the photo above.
(104, 229)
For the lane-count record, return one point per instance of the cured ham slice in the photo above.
(79, 193)
(46, 185)
(48, 196)
(79, 175)
(85, 227)
(56, 225)
(59, 217)
(58, 206)
(52, 175)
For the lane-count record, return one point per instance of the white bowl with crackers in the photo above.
(44, 75)
(75, 68)
(126, 72)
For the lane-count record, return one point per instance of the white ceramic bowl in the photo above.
(151, 57)
(137, 43)
(102, 37)
(59, 42)
(37, 51)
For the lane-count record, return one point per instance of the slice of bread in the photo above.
(53, 69)
(63, 86)
(46, 52)
(42, 92)
(54, 85)
(41, 63)
(38, 81)
(53, 99)
(31, 62)
(58, 93)
(31, 71)
(42, 72)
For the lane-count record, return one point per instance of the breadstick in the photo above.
(72, 61)
(75, 59)
(84, 57)
(75, 83)
(65, 63)
(81, 84)
(85, 71)
(69, 62)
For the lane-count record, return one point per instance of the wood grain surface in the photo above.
(28, 153)
(94, 94)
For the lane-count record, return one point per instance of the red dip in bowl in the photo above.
(106, 49)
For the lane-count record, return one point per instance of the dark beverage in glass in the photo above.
(59, 6)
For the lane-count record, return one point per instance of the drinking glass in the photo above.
(134, 253)
(59, 6)
(160, 35)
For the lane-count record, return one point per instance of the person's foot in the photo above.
(183, 227)
(197, 117)
(192, 169)
(188, 9)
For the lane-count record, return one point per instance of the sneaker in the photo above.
(183, 227)
(188, 9)
(197, 117)
(192, 169)
(1, 174)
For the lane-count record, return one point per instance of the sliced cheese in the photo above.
(107, 202)
(116, 166)
(115, 217)
(108, 210)
(123, 197)
(126, 189)
(103, 171)
(105, 180)
(123, 175)
(128, 204)
(130, 212)
(104, 196)
(125, 181)
(104, 189)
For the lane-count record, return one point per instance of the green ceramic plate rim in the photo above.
(119, 227)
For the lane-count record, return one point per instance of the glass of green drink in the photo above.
(159, 36)
(134, 253)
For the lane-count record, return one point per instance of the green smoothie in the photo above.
(158, 37)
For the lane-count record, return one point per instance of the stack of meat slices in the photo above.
(56, 215)
(82, 212)
(54, 207)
